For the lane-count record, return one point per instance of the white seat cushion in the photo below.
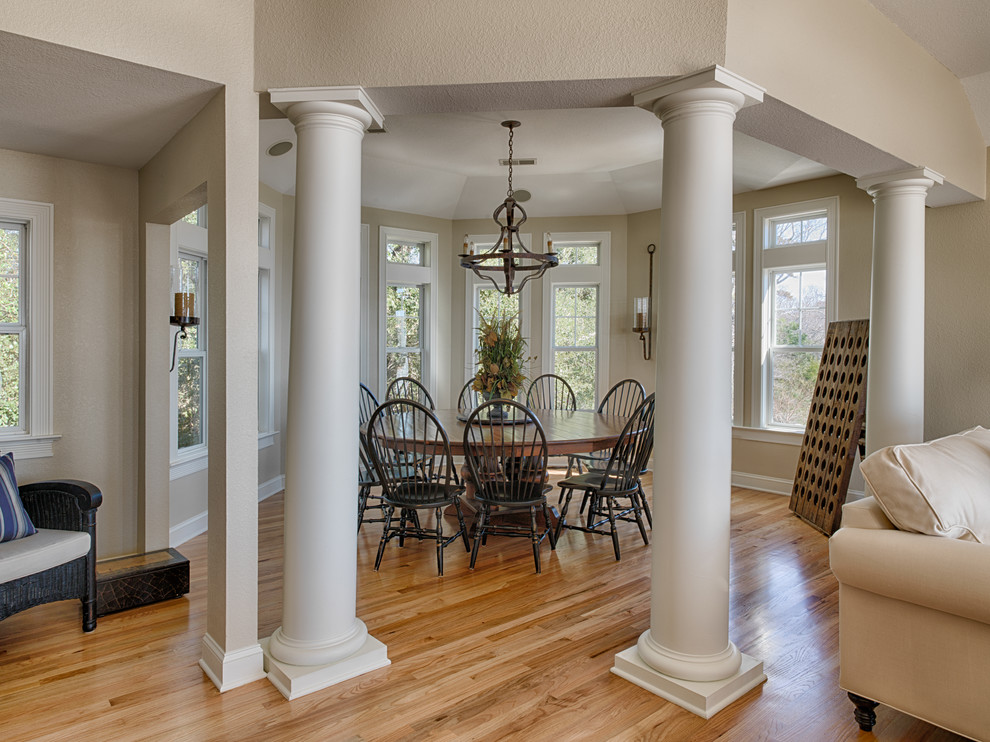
(941, 488)
(45, 549)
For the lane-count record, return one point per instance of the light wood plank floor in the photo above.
(498, 653)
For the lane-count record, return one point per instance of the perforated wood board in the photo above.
(835, 420)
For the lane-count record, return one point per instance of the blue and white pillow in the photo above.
(14, 521)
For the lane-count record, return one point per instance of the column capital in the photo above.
(352, 95)
(922, 177)
(712, 78)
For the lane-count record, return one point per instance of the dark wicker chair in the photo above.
(618, 481)
(550, 392)
(622, 399)
(66, 505)
(401, 431)
(506, 455)
(406, 387)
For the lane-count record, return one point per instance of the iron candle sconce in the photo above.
(643, 312)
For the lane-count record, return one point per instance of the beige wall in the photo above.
(446, 42)
(847, 65)
(95, 331)
(957, 318)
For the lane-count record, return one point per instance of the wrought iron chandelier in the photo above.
(505, 262)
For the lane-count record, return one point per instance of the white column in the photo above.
(895, 384)
(321, 641)
(686, 655)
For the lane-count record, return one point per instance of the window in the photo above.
(575, 315)
(188, 381)
(266, 321)
(796, 269)
(484, 297)
(26, 249)
(409, 311)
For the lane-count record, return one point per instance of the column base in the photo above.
(704, 698)
(231, 669)
(294, 681)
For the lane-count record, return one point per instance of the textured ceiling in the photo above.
(80, 106)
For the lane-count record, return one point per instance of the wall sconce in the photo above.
(184, 316)
(643, 312)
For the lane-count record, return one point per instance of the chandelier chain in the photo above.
(511, 133)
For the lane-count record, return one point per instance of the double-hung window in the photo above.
(408, 312)
(188, 380)
(795, 267)
(26, 250)
(738, 298)
(576, 316)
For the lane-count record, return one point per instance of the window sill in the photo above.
(186, 465)
(782, 436)
(29, 446)
(266, 439)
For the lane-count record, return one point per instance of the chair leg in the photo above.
(88, 614)
(550, 531)
(865, 715)
(460, 521)
(534, 537)
(384, 538)
(480, 532)
(403, 514)
(645, 504)
(634, 499)
(439, 516)
(563, 513)
(614, 530)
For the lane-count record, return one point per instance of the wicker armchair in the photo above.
(62, 505)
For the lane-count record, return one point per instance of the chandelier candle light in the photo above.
(508, 256)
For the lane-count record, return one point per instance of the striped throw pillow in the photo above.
(14, 521)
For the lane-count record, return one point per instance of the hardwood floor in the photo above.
(498, 653)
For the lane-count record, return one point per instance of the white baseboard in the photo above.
(775, 485)
(231, 669)
(187, 529)
(271, 487)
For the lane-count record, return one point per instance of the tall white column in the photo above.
(686, 655)
(321, 641)
(895, 383)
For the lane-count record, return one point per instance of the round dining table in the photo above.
(578, 431)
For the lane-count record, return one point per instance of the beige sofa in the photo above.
(914, 606)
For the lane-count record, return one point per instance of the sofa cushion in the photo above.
(14, 520)
(941, 488)
(43, 550)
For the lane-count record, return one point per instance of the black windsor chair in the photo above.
(618, 481)
(399, 431)
(406, 387)
(506, 455)
(550, 392)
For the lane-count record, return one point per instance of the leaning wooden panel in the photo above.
(835, 421)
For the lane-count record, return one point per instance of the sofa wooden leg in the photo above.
(865, 715)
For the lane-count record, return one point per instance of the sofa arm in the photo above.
(943, 574)
(63, 504)
(865, 513)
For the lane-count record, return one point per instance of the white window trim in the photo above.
(575, 275)
(365, 326)
(472, 283)
(194, 458)
(739, 267)
(411, 275)
(267, 262)
(37, 439)
(784, 257)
